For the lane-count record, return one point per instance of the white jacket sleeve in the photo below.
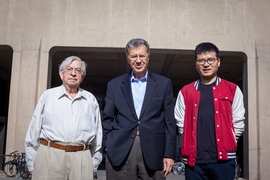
(238, 113)
(179, 112)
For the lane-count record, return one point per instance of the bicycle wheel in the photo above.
(10, 169)
(179, 168)
(24, 171)
(237, 171)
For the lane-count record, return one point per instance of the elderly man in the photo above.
(65, 126)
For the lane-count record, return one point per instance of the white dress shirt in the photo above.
(58, 117)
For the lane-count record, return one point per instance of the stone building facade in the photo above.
(36, 35)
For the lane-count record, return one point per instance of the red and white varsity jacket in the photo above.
(229, 118)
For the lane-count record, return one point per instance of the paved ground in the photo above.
(102, 176)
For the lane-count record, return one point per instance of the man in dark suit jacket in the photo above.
(138, 125)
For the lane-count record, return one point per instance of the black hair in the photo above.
(206, 47)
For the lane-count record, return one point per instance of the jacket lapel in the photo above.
(126, 88)
(150, 89)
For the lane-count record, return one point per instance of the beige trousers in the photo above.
(55, 164)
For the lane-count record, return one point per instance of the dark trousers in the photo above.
(133, 168)
(223, 170)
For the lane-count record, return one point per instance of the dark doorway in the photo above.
(6, 53)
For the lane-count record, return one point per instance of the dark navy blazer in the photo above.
(156, 123)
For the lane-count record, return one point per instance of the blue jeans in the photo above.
(222, 170)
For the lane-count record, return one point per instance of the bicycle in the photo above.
(7, 158)
(17, 166)
(238, 169)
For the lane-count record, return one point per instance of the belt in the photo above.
(66, 148)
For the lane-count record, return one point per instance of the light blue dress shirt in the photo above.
(138, 87)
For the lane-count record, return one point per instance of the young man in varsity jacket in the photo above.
(210, 115)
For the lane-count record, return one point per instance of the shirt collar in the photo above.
(63, 92)
(133, 79)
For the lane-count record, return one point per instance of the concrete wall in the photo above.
(33, 27)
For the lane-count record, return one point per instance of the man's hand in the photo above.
(167, 164)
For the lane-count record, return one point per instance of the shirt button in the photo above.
(217, 139)
(217, 125)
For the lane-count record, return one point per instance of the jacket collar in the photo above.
(196, 84)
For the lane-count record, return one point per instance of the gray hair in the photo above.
(69, 60)
(134, 43)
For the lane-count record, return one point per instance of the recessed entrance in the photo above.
(107, 63)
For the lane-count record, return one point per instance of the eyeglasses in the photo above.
(209, 61)
(141, 56)
(70, 70)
